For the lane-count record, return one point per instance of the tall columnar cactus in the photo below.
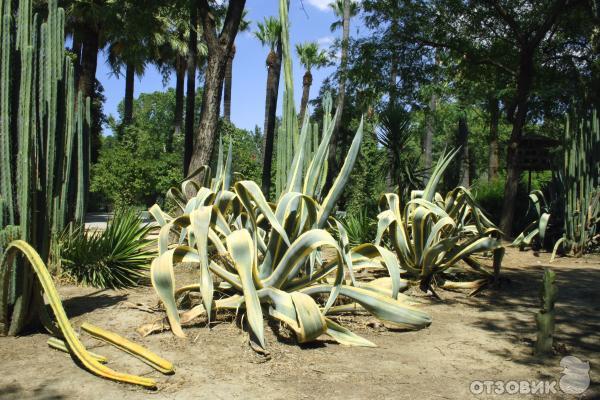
(545, 317)
(42, 121)
(581, 183)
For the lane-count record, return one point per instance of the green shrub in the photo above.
(359, 227)
(118, 257)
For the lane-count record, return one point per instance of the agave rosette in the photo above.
(432, 234)
(266, 259)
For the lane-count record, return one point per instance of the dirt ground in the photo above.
(488, 337)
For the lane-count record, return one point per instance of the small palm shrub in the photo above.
(118, 257)
(432, 234)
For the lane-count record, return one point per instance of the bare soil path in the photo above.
(488, 337)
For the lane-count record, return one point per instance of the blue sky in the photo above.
(310, 23)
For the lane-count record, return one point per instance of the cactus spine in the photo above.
(42, 121)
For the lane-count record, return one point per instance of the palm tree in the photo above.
(310, 57)
(338, 9)
(134, 39)
(269, 34)
(342, 9)
(172, 57)
(244, 27)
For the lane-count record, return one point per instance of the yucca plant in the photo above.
(536, 230)
(431, 234)
(116, 258)
(581, 182)
(359, 227)
(265, 259)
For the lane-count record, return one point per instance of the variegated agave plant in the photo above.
(536, 230)
(432, 234)
(266, 259)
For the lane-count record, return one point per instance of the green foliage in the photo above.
(118, 257)
(360, 227)
(247, 150)
(134, 167)
(135, 170)
(367, 180)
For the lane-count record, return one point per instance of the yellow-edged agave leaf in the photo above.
(438, 172)
(340, 181)
(297, 253)
(200, 221)
(163, 281)
(78, 350)
(316, 168)
(310, 320)
(59, 344)
(345, 336)
(390, 261)
(140, 352)
(383, 307)
(159, 216)
(475, 245)
(248, 192)
(241, 249)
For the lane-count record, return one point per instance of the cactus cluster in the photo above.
(44, 146)
(581, 183)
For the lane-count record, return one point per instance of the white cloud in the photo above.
(325, 42)
(322, 5)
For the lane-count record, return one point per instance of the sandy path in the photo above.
(488, 337)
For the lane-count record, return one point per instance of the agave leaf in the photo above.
(200, 222)
(297, 253)
(163, 281)
(340, 181)
(389, 259)
(317, 165)
(438, 172)
(383, 307)
(310, 320)
(249, 191)
(475, 245)
(345, 336)
(543, 226)
(241, 249)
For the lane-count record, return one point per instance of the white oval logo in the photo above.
(576, 375)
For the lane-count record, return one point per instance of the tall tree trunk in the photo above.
(463, 142)
(494, 110)
(306, 83)
(429, 133)
(179, 89)
(190, 107)
(332, 157)
(513, 172)
(228, 83)
(128, 102)
(219, 47)
(274, 65)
